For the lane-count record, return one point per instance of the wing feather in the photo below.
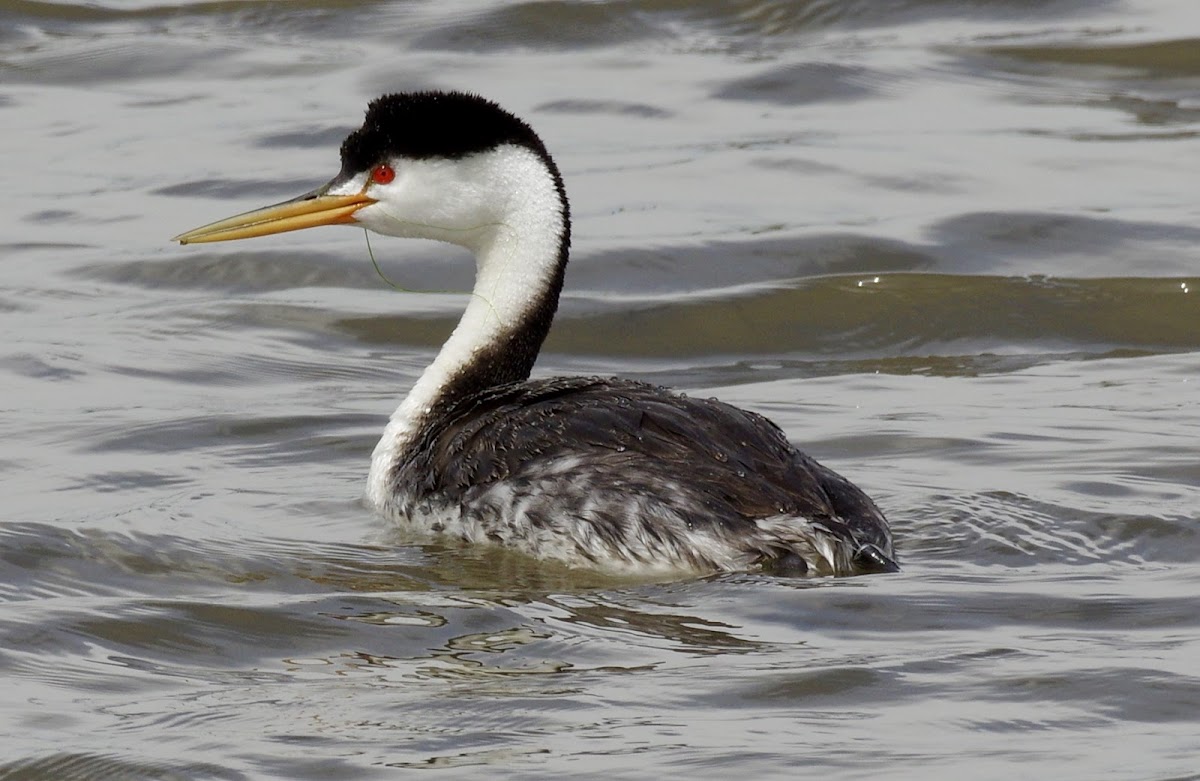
(637, 453)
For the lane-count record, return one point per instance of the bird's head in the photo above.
(437, 165)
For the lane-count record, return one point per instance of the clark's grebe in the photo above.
(594, 472)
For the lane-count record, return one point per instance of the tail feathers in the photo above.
(792, 546)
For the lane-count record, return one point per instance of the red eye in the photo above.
(382, 174)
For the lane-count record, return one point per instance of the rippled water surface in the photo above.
(951, 247)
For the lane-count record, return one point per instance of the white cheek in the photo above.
(432, 200)
(378, 218)
(404, 208)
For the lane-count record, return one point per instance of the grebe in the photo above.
(602, 473)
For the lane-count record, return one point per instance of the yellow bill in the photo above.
(307, 211)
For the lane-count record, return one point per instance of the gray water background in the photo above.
(951, 247)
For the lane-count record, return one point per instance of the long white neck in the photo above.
(507, 207)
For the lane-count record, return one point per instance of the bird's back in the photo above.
(621, 473)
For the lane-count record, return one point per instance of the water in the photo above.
(951, 247)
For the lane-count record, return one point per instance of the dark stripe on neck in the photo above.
(511, 356)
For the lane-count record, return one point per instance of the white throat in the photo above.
(504, 206)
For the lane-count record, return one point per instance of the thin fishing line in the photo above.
(399, 288)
